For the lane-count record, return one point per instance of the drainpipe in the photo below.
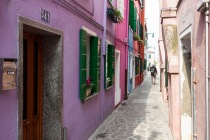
(126, 50)
(207, 77)
(103, 49)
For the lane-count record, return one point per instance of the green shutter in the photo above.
(141, 65)
(105, 69)
(111, 64)
(95, 59)
(82, 69)
(109, 61)
(134, 20)
(131, 14)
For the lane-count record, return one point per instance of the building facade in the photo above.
(183, 45)
(64, 52)
(135, 44)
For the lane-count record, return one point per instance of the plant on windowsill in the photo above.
(136, 37)
(89, 87)
(108, 80)
(114, 14)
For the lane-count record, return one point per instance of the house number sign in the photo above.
(45, 15)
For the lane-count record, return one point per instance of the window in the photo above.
(149, 56)
(132, 15)
(90, 56)
(109, 66)
(137, 70)
(120, 7)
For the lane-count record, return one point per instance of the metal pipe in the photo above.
(207, 106)
(104, 51)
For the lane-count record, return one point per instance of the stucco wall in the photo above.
(121, 33)
(81, 119)
(187, 15)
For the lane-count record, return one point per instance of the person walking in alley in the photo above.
(153, 71)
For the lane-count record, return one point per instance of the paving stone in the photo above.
(144, 116)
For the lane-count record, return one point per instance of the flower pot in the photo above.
(113, 15)
(88, 91)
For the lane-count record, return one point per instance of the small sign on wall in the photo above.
(45, 15)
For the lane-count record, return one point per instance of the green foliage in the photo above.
(136, 37)
(114, 14)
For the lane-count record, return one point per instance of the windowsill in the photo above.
(90, 97)
(109, 87)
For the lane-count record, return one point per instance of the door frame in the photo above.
(117, 78)
(185, 119)
(54, 38)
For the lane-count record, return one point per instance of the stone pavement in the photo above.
(144, 116)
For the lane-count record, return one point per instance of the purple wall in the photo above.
(81, 119)
(8, 115)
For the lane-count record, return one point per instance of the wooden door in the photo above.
(32, 87)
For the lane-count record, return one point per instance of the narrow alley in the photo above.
(144, 116)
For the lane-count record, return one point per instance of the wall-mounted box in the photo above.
(8, 74)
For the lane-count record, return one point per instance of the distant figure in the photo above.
(148, 68)
(153, 71)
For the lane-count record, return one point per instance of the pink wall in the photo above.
(187, 15)
(121, 34)
(169, 20)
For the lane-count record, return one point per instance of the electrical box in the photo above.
(8, 74)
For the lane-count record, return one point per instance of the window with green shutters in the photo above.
(109, 67)
(90, 56)
(150, 56)
(132, 15)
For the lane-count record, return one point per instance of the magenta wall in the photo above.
(81, 119)
(122, 36)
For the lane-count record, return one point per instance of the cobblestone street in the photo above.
(144, 116)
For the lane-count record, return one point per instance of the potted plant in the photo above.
(136, 37)
(108, 80)
(89, 86)
(114, 14)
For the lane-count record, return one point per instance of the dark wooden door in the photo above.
(32, 87)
